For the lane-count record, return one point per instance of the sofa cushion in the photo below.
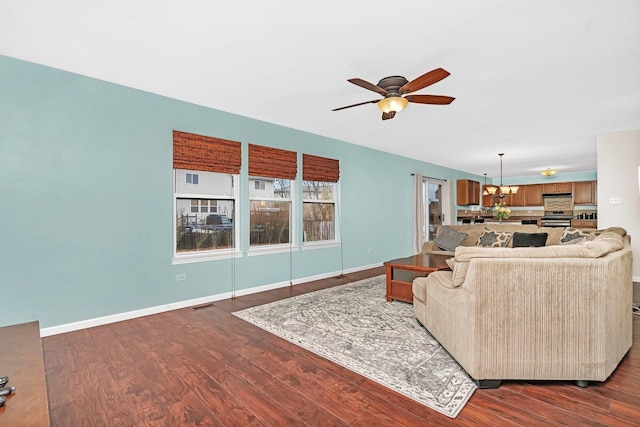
(451, 262)
(449, 239)
(524, 240)
(572, 235)
(602, 245)
(553, 234)
(419, 288)
(458, 272)
(494, 239)
(605, 243)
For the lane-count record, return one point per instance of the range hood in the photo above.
(558, 207)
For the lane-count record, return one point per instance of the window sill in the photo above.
(272, 249)
(321, 245)
(205, 256)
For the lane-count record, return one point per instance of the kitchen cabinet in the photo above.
(557, 187)
(467, 192)
(533, 195)
(584, 223)
(585, 193)
(517, 199)
(487, 200)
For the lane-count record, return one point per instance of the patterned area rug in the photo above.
(353, 325)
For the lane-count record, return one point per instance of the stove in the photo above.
(556, 219)
(558, 210)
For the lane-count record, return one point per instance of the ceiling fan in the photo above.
(397, 92)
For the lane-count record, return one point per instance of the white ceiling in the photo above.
(536, 79)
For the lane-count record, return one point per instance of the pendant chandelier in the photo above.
(505, 190)
(485, 192)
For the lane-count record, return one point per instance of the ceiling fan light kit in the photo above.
(392, 103)
(394, 89)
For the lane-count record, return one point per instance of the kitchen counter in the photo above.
(494, 220)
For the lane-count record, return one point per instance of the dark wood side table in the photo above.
(21, 359)
(402, 271)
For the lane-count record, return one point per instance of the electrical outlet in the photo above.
(181, 277)
(615, 200)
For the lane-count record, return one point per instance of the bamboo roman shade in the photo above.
(205, 153)
(316, 168)
(272, 162)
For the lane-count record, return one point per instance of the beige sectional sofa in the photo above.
(559, 312)
(475, 231)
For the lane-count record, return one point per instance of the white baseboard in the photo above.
(89, 323)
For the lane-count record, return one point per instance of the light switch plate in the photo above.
(615, 200)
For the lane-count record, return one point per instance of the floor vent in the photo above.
(200, 307)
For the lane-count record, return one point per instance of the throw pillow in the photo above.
(451, 262)
(449, 239)
(526, 240)
(572, 235)
(494, 239)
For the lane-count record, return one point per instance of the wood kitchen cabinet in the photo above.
(517, 199)
(584, 223)
(533, 195)
(585, 193)
(467, 192)
(557, 187)
(487, 200)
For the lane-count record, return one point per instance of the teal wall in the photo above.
(86, 206)
(541, 179)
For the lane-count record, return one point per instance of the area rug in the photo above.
(353, 325)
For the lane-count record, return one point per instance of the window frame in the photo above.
(277, 247)
(336, 241)
(212, 254)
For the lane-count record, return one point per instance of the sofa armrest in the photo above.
(430, 248)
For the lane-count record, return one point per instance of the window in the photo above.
(205, 219)
(318, 211)
(192, 178)
(319, 194)
(205, 196)
(204, 206)
(271, 178)
(270, 213)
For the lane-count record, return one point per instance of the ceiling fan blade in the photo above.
(424, 80)
(365, 84)
(389, 115)
(430, 99)
(373, 101)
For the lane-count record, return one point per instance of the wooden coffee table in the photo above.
(402, 271)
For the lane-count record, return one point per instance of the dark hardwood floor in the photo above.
(204, 366)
